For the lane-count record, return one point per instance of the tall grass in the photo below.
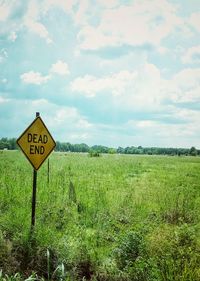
(115, 217)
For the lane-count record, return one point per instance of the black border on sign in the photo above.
(48, 133)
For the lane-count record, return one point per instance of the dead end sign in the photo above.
(36, 143)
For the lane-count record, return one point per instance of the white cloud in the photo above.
(126, 89)
(13, 36)
(32, 77)
(32, 21)
(186, 115)
(65, 114)
(79, 137)
(146, 22)
(3, 55)
(5, 9)
(4, 81)
(108, 4)
(3, 100)
(144, 89)
(39, 29)
(192, 55)
(70, 115)
(33, 10)
(60, 68)
(69, 124)
(173, 133)
(188, 77)
(66, 6)
(90, 85)
(185, 86)
(36, 78)
(194, 21)
(144, 123)
(84, 124)
(64, 122)
(80, 17)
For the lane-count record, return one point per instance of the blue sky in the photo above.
(110, 72)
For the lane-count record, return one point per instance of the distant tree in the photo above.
(13, 144)
(58, 146)
(193, 151)
(84, 147)
(120, 150)
(100, 148)
(140, 149)
(6, 143)
(127, 150)
(112, 151)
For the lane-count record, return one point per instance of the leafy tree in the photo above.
(112, 151)
(120, 150)
(193, 151)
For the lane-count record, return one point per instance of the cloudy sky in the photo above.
(110, 72)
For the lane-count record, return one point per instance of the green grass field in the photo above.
(114, 217)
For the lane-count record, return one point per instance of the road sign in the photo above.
(36, 143)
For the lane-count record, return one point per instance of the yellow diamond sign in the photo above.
(36, 143)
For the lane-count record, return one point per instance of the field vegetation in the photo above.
(109, 218)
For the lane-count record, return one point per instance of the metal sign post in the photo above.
(34, 198)
(34, 192)
(36, 143)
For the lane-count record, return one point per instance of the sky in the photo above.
(108, 72)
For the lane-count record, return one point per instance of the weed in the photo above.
(114, 217)
(131, 247)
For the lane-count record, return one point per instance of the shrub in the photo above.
(133, 260)
(131, 247)
(176, 252)
(93, 153)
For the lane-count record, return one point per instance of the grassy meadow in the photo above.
(113, 217)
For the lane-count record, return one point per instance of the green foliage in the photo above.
(17, 277)
(10, 144)
(193, 151)
(93, 153)
(114, 217)
(6, 143)
(177, 253)
(131, 247)
(112, 151)
(133, 259)
(72, 193)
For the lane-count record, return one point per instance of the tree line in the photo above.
(10, 144)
